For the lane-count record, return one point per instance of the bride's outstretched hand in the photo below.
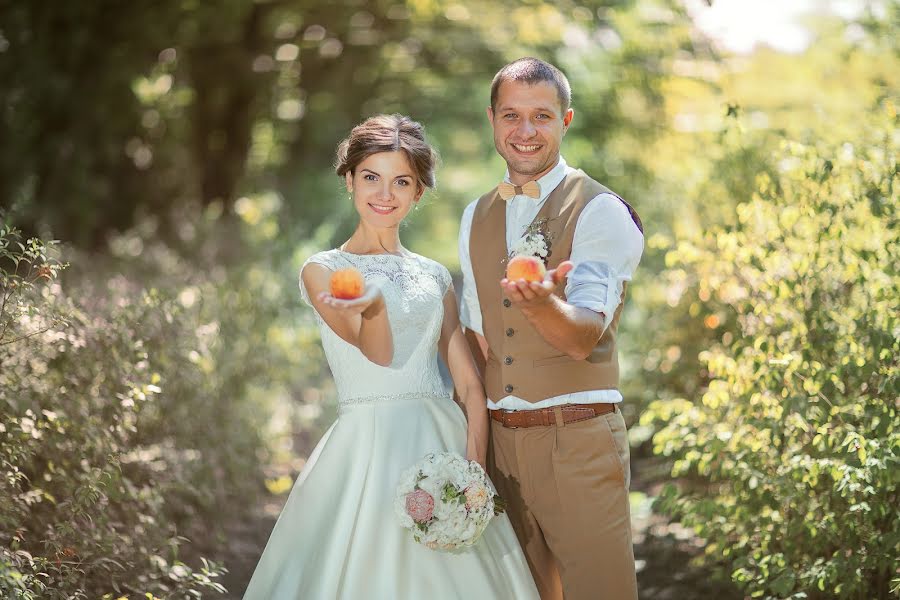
(370, 304)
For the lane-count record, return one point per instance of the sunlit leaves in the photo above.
(26, 286)
(124, 428)
(797, 431)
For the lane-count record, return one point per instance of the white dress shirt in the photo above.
(606, 250)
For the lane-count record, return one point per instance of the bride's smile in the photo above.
(384, 190)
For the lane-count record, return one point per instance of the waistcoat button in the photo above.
(508, 389)
(507, 303)
(509, 332)
(508, 360)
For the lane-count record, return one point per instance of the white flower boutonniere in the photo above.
(536, 241)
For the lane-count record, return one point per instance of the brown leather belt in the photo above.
(544, 417)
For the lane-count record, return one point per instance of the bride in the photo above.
(337, 536)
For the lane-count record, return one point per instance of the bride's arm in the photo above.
(456, 354)
(362, 322)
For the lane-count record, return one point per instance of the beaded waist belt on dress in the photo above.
(375, 399)
(544, 417)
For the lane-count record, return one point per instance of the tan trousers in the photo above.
(566, 487)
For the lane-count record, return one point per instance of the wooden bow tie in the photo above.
(508, 190)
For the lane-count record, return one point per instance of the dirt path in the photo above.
(664, 550)
(247, 539)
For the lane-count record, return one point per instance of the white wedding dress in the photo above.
(337, 536)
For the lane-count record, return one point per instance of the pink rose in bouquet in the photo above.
(420, 506)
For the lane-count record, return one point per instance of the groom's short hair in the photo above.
(533, 70)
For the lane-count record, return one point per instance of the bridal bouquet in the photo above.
(446, 501)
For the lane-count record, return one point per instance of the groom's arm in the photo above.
(606, 249)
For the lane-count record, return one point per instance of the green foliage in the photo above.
(87, 485)
(30, 264)
(111, 112)
(789, 461)
(130, 413)
(725, 118)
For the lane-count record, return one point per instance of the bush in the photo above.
(134, 398)
(88, 485)
(788, 463)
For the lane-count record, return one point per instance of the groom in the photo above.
(559, 448)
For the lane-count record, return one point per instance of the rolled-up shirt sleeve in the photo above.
(469, 308)
(606, 250)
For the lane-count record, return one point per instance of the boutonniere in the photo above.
(536, 241)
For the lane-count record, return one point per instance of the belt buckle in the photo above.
(503, 420)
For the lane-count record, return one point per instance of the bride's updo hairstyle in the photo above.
(388, 133)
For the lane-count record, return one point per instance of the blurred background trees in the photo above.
(143, 107)
(157, 388)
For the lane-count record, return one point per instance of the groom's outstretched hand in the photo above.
(525, 293)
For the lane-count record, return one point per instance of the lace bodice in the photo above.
(414, 289)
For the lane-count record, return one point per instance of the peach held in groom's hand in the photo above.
(529, 268)
(347, 284)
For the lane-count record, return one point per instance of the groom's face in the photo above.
(529, 124)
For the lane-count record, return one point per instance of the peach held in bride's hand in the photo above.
(529, 268)
(347, 284)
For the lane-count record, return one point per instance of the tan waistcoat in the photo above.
(519, 361)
